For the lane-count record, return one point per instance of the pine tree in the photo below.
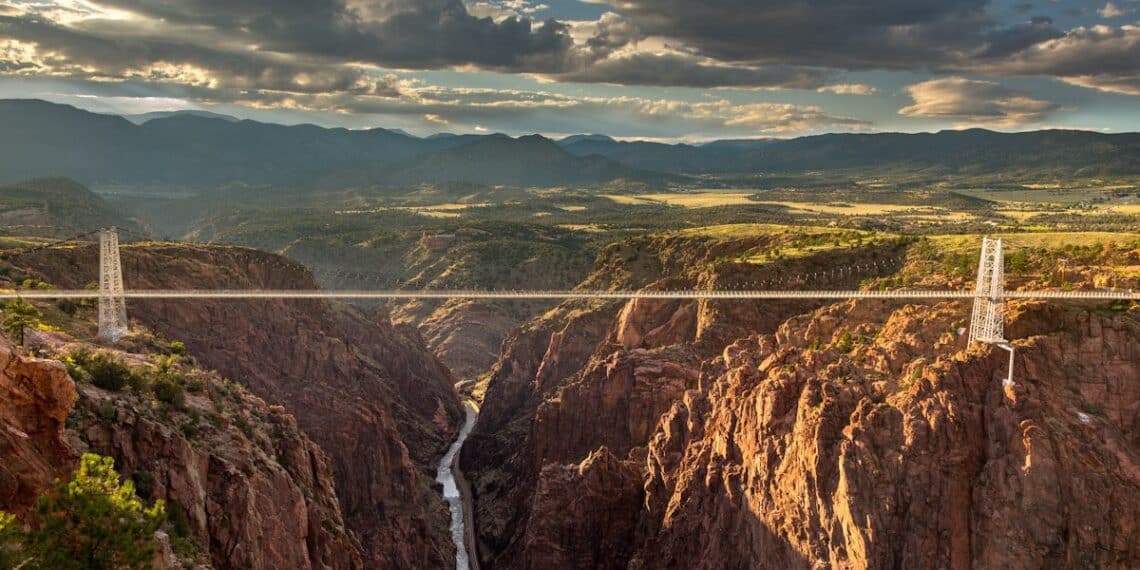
(18, 316)
(94, 521)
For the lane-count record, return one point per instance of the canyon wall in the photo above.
(861, 434)
(368, 393)
(255, 492)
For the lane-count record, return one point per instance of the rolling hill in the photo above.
(56, 203)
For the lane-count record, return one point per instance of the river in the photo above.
(456, 501)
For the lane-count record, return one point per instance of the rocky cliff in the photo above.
(253, 490)
(862, 434)
(369, 393)
(35, 401)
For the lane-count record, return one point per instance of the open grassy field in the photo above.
(1042, 239)
(737, 231)
(845, 209)
(694, 199)
(786, 241)
(716, 198)
(16, 242)
(1042, 194)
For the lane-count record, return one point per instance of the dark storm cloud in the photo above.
(1006, 41)
(833, 33)
(1098, 57)
(306, 47)
(73, 53)
(934, 35)
(294, 47)
(393, 33)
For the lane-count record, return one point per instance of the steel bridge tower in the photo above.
(987, 324)
(112, 302)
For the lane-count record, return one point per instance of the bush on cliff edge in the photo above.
(93, 521)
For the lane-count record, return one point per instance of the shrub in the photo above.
(178, 347)
(78, 374)
(195, 386)
(1017, 261)
(93, 521)
(189, 429)
(108, 371)
(243, 425)
(81, 356)
(845, 343)
(138, 380)
(169, 392)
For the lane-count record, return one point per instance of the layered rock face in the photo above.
(256, 496)
(369, 393)
(35, 400)
(906, 451)
(852, 435)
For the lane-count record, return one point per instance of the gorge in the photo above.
(647, 433)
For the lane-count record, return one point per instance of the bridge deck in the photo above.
(504, 294)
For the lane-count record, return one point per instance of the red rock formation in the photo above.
(35, 399)
(859, 434)
(259, 497)
(370, 394)
(831, 463)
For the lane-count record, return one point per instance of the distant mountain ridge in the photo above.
(144, 117)
(974, 151)
(525, 161)
(189, 150)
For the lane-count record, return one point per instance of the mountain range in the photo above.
(198, 150)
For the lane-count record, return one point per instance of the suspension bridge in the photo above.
(986, 323)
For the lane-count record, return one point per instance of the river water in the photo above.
(451, 494)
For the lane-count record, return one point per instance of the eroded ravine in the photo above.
(455, 491)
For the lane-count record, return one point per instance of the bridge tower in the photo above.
(987, 324)
(112, 303)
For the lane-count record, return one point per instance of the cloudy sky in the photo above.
(653, 69)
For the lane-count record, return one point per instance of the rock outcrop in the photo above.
(369, 393)
(862, 434)
(35, 400)
(254, 490)
(805, 457)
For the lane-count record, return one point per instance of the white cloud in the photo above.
(1111, 10)
(972, 102)
(849, 89)
(1099, 57)
(502, 9)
